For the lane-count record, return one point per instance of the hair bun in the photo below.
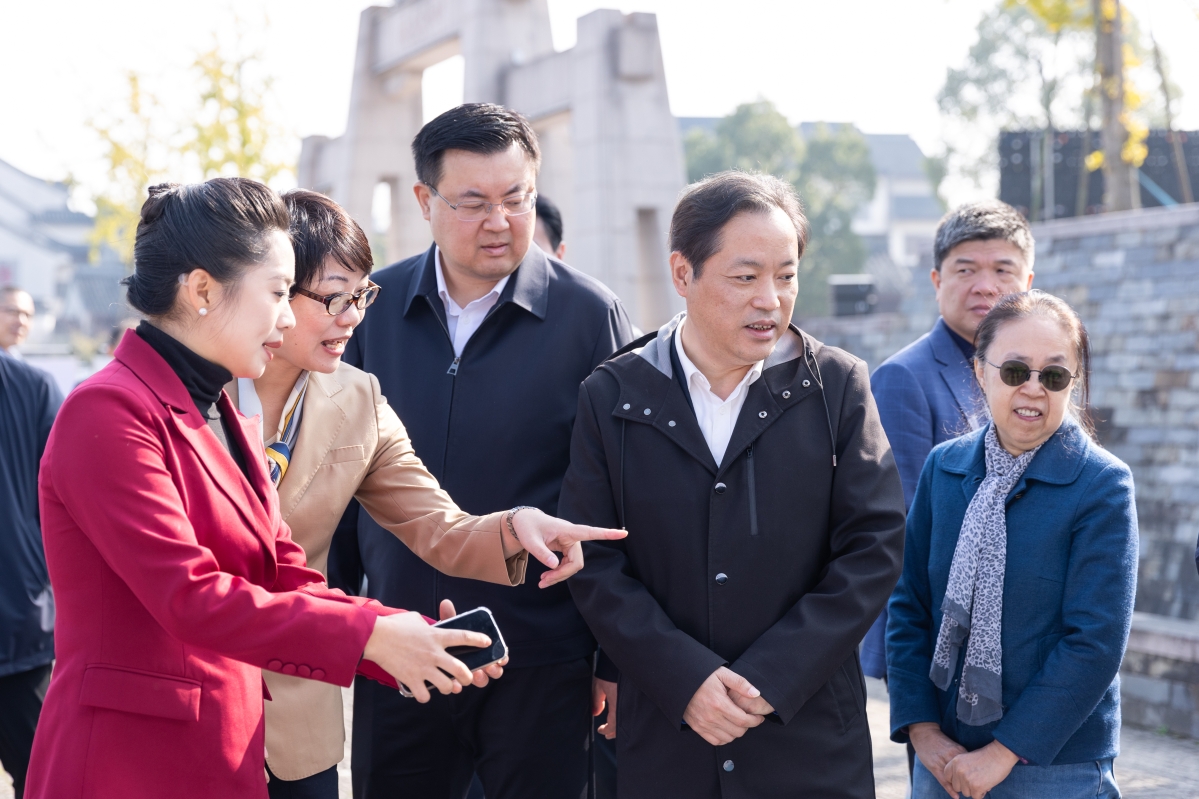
(159, 194)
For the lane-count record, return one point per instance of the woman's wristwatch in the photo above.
(510, 515)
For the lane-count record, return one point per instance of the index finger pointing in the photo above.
(585, 533)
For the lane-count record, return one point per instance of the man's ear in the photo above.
(1031, 275)
(681, 273)
(934, 275)
(423, 197)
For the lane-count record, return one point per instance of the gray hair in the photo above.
(982, 221)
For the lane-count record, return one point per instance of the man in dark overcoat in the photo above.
(765, 518)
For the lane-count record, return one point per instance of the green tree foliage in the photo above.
(229, 132)
(755, 137)
(232, 134)
(836, 178)
(1030, 68)
(134, 145)
(831, 170)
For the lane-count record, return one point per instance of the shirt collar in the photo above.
(696, 379)
(250, 405)
(452, 308)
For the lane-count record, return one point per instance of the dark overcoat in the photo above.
(774, 563)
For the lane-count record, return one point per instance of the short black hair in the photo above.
(707, 206)
(483, 128)
(321, 228)
(983, 221)
(221, 226)
(549, 214)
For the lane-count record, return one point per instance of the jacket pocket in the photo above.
(142, 692)
(345, 454)
(849, 706)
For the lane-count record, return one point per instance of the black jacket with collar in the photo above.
(774, 562)
(493, 427)
(29, 400)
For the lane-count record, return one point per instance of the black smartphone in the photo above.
(478, 620)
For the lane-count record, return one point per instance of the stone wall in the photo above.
(1134, 279)
(1159, 687)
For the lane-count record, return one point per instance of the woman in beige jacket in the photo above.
(330, 437)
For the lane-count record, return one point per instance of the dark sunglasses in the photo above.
(336, 304)
(1017, 373)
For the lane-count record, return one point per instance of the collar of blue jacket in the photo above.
(1059, 462)
(528, 288)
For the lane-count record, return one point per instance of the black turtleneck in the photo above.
(967, 347)
(204, 381)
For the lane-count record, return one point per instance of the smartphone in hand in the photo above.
(478, 620)
(474, 658)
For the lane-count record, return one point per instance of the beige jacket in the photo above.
(352, 445)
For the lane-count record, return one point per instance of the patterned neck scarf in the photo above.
(278, 450)
(973, 607)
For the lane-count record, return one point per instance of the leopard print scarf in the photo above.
(973, 607)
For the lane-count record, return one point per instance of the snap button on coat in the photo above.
(728, 765)
(761, 414)
(719, 488)
(722, 578)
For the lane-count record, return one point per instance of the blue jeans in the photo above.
(1093, 780)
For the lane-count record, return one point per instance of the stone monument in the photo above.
(612, 158)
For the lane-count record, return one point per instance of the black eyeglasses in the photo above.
(1017, 373)
(477, 210)
(336, 304)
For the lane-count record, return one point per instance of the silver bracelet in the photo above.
(510, 515)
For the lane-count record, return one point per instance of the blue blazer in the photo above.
(1067, 599)
(926, 394)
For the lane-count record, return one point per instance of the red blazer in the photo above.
(176, 581)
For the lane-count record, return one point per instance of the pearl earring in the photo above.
(203, 312)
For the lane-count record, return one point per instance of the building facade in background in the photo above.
(612, 157)
(42, 243)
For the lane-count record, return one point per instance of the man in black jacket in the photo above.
(480, 344)
(765, 520)
(29, 400)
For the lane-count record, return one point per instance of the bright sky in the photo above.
(876, 63)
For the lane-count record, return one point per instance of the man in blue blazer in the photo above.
(926, 392)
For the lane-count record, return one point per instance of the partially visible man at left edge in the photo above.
(16, 318)
(29, 399)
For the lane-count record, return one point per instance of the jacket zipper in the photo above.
(753, 492)
(453, 370)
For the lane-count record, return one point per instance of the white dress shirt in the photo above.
(463, 322)
(717, 417)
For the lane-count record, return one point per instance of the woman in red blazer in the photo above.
(175, 579)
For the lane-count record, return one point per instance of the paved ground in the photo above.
(1152, 766)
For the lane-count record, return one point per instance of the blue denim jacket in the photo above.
(1068, 597)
